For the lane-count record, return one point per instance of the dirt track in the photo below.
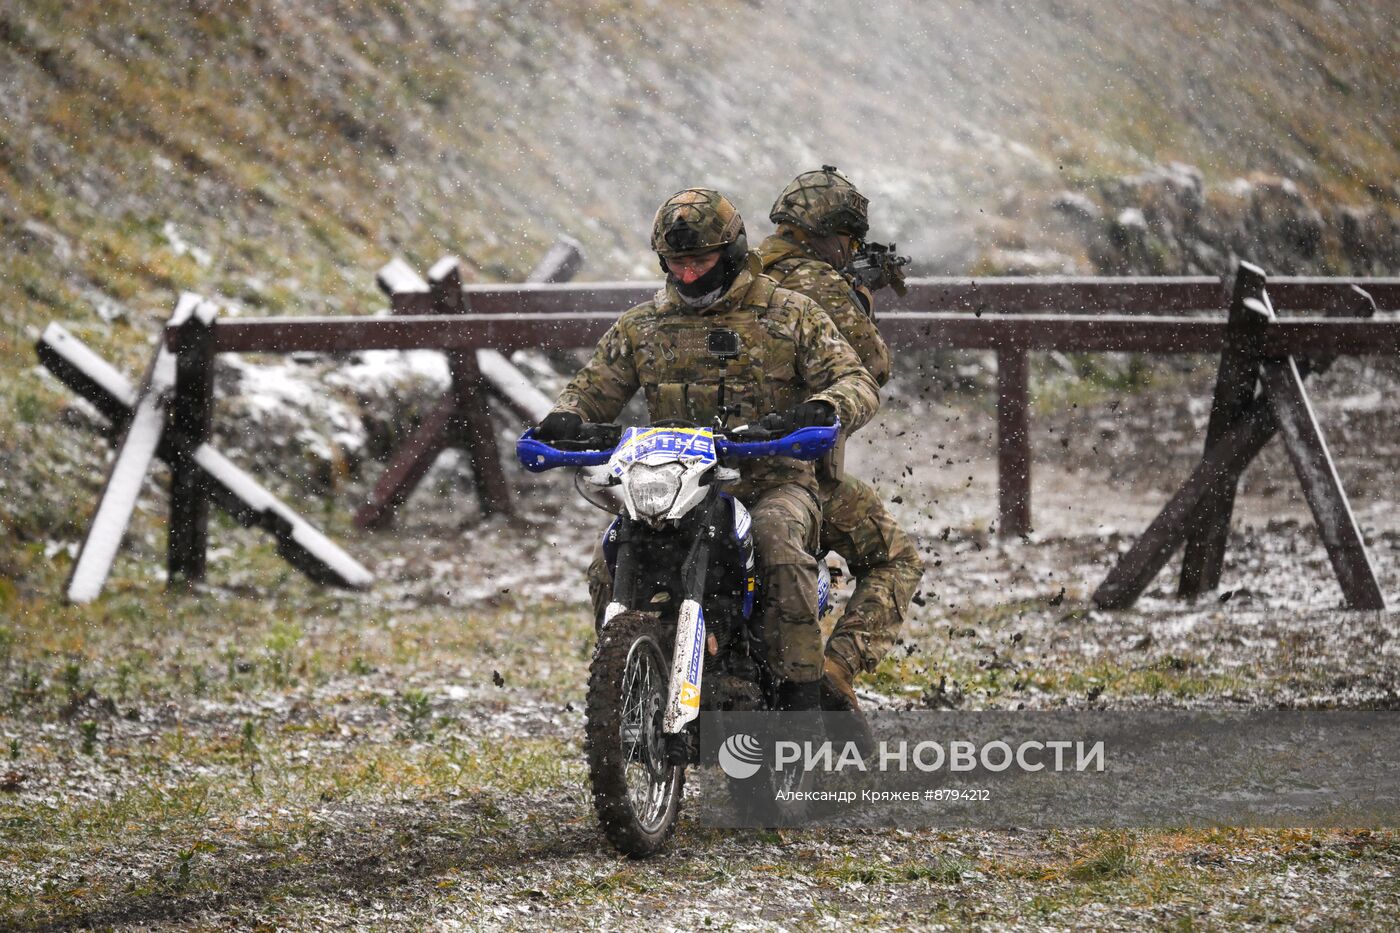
(412, 758)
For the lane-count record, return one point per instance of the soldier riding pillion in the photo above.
(822, 220)
(782, 354)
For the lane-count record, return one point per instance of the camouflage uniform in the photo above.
(790, 352)
(788, 263)
(855, 522)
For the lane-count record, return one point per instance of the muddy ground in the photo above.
(266, 754)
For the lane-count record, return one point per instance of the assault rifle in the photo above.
(875, 265)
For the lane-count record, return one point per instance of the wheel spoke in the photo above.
(648, 779)
(634, 770)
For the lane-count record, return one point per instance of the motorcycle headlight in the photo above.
(654, 488)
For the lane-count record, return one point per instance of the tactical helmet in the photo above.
(823, 203)
(695, 221)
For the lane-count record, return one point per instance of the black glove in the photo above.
(812, 414)
(559, 426)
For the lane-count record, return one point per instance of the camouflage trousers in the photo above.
(885, 562)
(785, 530)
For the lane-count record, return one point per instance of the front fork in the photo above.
(688, 654)
(687, 662)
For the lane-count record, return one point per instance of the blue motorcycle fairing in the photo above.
(610, 545)
(802, 444)
(537, 456)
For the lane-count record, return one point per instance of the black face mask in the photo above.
(718, 279)
(707, 283)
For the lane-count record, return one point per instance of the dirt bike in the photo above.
(680, 634)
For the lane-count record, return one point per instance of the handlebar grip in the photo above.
(601, 434)
(537, 456)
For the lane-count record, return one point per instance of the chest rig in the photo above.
(682, 376)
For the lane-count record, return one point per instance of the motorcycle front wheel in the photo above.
(636, 793)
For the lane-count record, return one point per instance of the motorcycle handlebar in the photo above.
(592, 436)
(537, 456)
(770, 436)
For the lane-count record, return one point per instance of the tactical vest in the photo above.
(682, 379)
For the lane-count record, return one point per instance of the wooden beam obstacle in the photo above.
(169, 417)
(1010, 316)
(141, 425)
(1257, 394)
(1047, 314)
(462, 417)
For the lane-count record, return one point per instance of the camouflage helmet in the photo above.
(823, 203)
(694, 221)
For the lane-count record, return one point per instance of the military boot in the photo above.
(838, 686)
(803, 698)
(796, 697)
(839, 696)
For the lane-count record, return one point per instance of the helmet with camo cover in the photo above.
(697, 220)
(823, 203)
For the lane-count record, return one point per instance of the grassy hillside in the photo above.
(273, 154)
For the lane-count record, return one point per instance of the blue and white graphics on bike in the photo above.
(661, 473)
(661, 470)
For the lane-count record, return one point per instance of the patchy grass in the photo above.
(175, 799)
(1166, 678)
(1105, 859)
(222, 647)
(203, 756)
(944, 870)
(261, 753)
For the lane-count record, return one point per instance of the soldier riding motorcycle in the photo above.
(723, 345)
(680, 634)
(819, 250)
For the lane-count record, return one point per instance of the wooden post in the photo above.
(408, 466)
(560, 264)
(1135, 570)
(1322, 487)
(1284, 407)
(1013, 443)
(1234, 388)
(187, 429)
(408, 293)
(140, 440)
(471, 416)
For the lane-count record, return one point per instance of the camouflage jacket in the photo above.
(791, 266)
(790, 351)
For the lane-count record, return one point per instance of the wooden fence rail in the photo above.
(911, 330)
(1011, 316)
(1077, 294)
